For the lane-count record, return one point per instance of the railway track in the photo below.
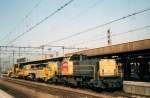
(66, 92)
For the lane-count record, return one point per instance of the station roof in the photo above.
(118, 48)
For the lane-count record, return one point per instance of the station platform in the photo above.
(3, 94)
(140, 88)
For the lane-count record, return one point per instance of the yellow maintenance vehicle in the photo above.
(41, 71)
(13, 72)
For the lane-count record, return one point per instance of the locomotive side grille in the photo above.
(84, 70)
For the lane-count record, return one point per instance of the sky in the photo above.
(78, 16)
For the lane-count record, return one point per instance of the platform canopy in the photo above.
(119, 48)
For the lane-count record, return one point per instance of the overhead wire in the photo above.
(99, 26)
(30, 12)
(74, 18)
(133, 30)
(23, 19)
(104, 37)
(87, 9)
(41, 21)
